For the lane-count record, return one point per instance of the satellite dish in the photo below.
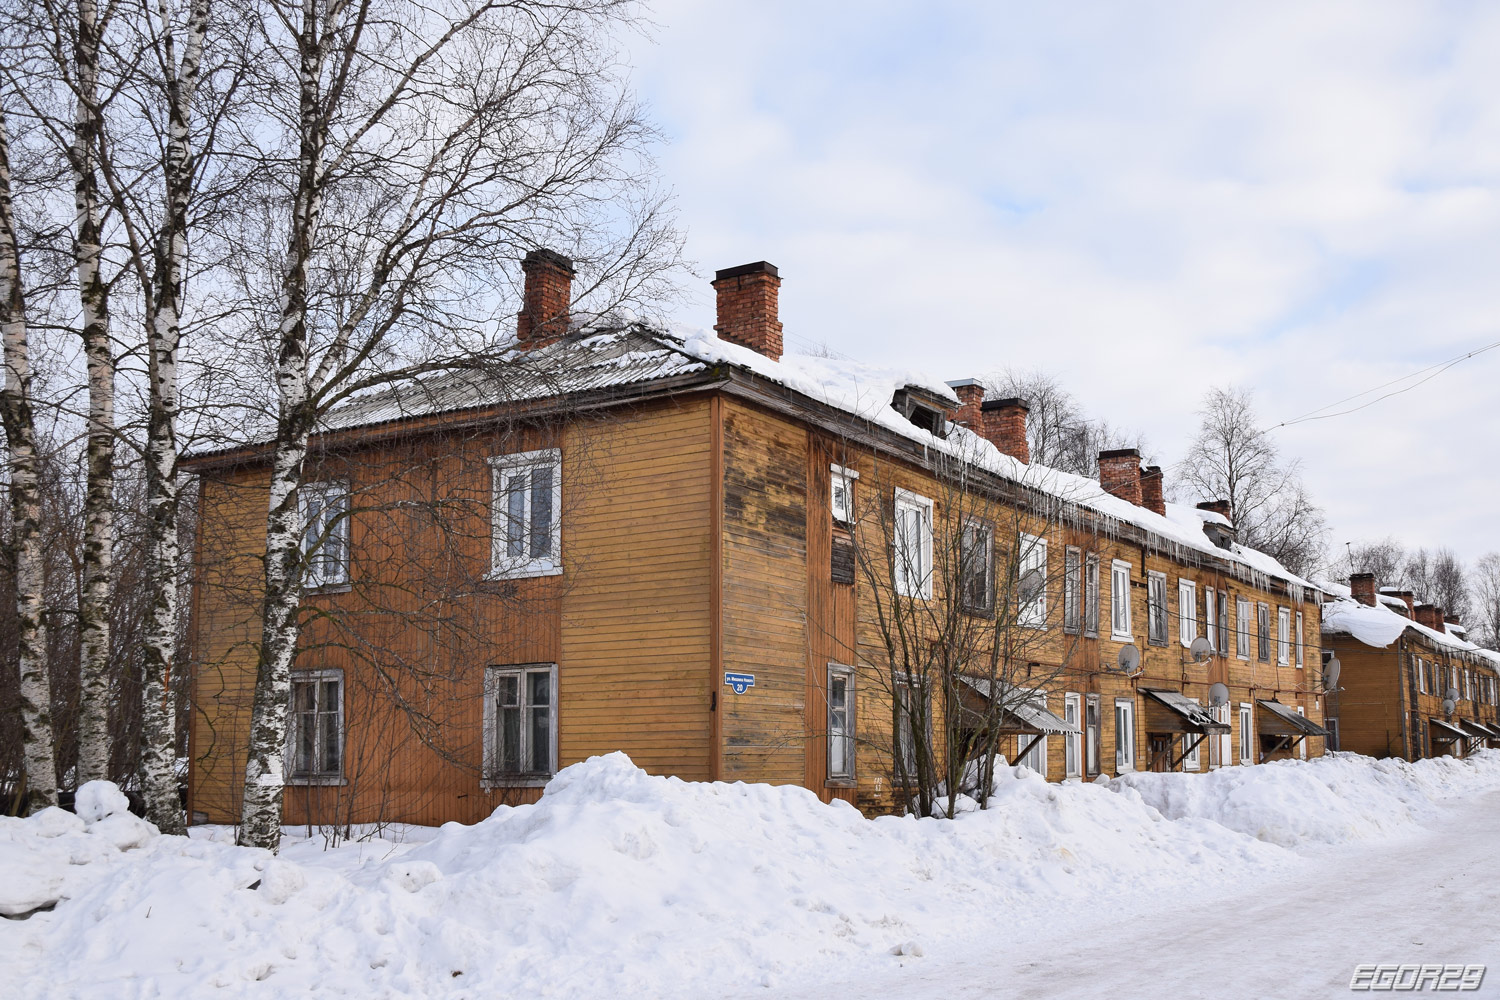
(1331, 673)
(1218, 694)
(1450, 695)
(1129, 659)
(1449, 705)
(1201, 649)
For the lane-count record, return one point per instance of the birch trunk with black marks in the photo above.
(163, 483)
(97, 596)
(260, 815)
(25, 505)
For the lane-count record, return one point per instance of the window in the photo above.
(840, 723)
(1218, 746)
(1091, 597)
(1192, 758)
(1119, 599)
(1298, 640)
(906, 744)
(315, 731)
(1036, 756)
(1247, 723)
(1210, 628)
(1092, 737)
(1223, 644)
(1302, 743)
(520, 723)
(1332, 725)
(1072, 591)
(525, 528)
(325, 534)
(976, 558)
(1156, 608)
(1073, 744)
(1421, 675)
(841, 493)
(1263, 633)
(912, 549)
(1242, 628)
(1187, 611)
(1124, 735)
(1283, 636)
(1031, 609)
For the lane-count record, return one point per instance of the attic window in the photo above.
(923, 408)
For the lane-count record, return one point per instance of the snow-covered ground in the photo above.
(1272, 880)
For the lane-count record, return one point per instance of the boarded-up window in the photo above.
(842, 568)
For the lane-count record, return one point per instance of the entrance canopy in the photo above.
(1446, 732)
(1022, 715)
(1477, 728)
(1174, 712)
(1277, 719)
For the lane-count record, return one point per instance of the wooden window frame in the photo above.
(1242, 646)
(317, 678)
(849, 775)
(987, 529)
(1262, 632)
(1283, 636)
(1072, 590)
(491, 776)
(1033, 613)
(504, 566)
(1091, 595)
(1299, 645)
(1222, 640)
(1247, 734)
(1156, 608)
(1093, 735)
(838, 473)
(1128, 746)
(1073, 742)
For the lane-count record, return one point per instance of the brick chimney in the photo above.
(544, 314)
(1430, 615)
(1362, 588)
(1120, 473)
(970, 398)
(1151, 495)
(1452, 620)
(1005, 426)
(1220, 507)
(1410, 599)
(747, 307)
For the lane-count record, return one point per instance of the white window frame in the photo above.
(1247, 733)
(1297, 639)
(492, 777)
(1073, 742)
(1125, 749)
(905, 501)
(1421, 674)
(1221, 642)
(325, 551)
(843, 513)
(1119, 600)
(846, 774)
(1187, 611)
(1156, 608)
(1302, 743)
(1032, 555)
(1192, 760)
(1242, 628)
(908, 688)
(1073, 590)
(317, 678)
(1220, 747)
(1283, 636)
(1091, 595)
(503, 565)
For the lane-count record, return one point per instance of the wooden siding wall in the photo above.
(626, 623)
(765, 626)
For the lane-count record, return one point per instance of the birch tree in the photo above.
(25, 504)
(424, 146)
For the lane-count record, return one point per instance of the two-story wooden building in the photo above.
(686, 547)
(1410, 684)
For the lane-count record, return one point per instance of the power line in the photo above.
(1434, 370)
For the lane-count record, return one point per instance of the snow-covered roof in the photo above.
(1378, 626)
(635, 353)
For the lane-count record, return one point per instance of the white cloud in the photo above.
(1145, 198)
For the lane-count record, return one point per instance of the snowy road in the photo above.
(1429, 897)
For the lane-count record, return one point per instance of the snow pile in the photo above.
(43, 858)
(1329, 799)
(618, 883)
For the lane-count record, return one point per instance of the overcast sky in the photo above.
(1146, 199)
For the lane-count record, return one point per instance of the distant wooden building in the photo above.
(1410, 685)
(633, 540)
